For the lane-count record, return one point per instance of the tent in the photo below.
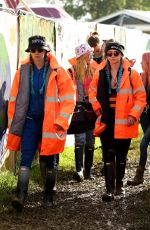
(135, 19)
(47, 10)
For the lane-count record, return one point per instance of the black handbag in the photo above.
(83, 118)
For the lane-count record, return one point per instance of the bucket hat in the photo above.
(37, 42)
(82, 49)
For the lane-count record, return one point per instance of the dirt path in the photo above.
(79, 206)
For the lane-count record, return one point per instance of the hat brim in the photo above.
(42, 47)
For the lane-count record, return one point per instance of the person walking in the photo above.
(117, 94)
(145, 123)
(39, 110)
(81, 72)
(98, 56)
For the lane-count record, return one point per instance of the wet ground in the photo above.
(78, 206)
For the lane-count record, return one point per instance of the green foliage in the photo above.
(146, 5)
(134, 4)
(99, 8)
(75, 8)
(7, 184)
(134, 151)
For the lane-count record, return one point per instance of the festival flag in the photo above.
(12, 3)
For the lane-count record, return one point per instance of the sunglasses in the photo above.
(38, 50)
(115, 53)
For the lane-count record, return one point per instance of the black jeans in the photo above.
(114, 150)
(118, 147)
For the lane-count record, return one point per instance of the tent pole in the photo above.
(26, 6)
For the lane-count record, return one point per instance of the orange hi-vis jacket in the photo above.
(130, 100)
(58, 107)
(73, 62)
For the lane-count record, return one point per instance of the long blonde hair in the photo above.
(82, 69)
(146, 72)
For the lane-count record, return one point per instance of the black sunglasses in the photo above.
(115, 53)
(38, 50)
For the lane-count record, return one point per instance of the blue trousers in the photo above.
(145, 123)
(32, 135)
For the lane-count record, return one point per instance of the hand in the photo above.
(59, 128)
(131, 120)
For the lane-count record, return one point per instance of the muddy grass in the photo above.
(78, 206)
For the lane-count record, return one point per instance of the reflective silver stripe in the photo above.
(66, 115)
(125, 91)
(121, 121)
(137, 107)
(141, 89)
(12, 98)
(51, 99)
(93, 88)
(67, 97)
(59, 136)
(93, 100)
(9, 121)
(98, 119)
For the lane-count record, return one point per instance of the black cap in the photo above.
(115, 46)
(37, 42)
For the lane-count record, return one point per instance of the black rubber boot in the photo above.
(22, 189)
(78, 175)
(88, 162)
(49, 188)
(43, 169)
(120, 172)
(109, 168)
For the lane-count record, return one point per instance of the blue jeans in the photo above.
(86, 138)
(32, 135)
(145, 123)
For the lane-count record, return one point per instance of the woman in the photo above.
(39, 110)
(145, 123)
(117, 93)
(98, 55)
(81, 72)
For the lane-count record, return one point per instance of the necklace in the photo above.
(114, 83)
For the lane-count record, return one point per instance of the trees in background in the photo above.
(99, 8)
